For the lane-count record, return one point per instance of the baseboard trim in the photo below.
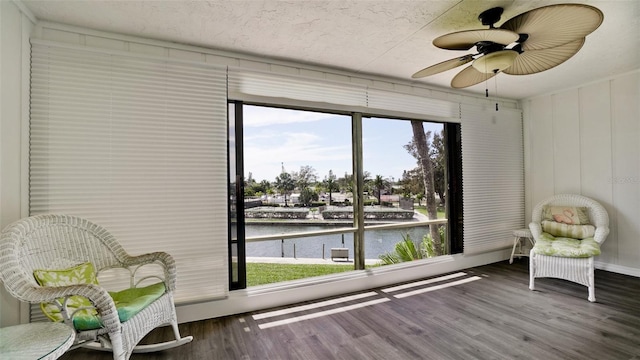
(625, 270)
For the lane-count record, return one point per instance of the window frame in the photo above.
(454, 239)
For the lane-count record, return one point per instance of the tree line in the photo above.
(310, 185)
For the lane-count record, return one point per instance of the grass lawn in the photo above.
(267, 273)
(423, 210)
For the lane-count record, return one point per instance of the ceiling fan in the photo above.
(534, 41)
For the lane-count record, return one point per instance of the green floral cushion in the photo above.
(550, 245)
(128, 302)
(79, 274)
(569, 231)
(571, 215)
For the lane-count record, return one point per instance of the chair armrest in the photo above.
(536, 230)
(162, 258)
(97, 295)
(601, 234)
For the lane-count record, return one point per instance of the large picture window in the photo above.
(295, 200)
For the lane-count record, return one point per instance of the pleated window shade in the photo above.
(293, 90)
(298, 91)
(492, 177)
(139, 146)
(382, 102)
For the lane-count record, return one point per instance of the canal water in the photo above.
(377, 242)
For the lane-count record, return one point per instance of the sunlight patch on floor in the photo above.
(437, 287)
(322, 313)
(313, 306)
(337, 305)
(424, 282)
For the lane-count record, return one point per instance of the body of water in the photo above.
(377, 242)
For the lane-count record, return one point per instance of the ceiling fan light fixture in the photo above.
(544, 37)
(495, 62)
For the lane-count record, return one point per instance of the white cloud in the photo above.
(256, 116)
(264, 158)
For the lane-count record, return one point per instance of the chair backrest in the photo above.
(598, 216)
(53, 242)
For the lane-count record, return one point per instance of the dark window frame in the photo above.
(454, 205)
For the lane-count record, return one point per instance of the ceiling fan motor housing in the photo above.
(495, 62)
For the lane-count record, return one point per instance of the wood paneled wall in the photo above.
(587, 141)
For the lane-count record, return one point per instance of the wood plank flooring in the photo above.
(486, 312)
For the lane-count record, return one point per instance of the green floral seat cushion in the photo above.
(128, 302)
(566, 247)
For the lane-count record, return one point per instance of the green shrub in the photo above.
(406, 250)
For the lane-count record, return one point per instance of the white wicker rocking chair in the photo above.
(46, 241)
(575, 269)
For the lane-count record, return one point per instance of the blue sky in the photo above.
(295, 138)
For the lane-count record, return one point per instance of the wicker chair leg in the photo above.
(176, 332)
(592, 282)
(532, 269)
(117, 347)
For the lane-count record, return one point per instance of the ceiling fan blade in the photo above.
(465, 40)
(534, 61)
(468, 77)
(555, 25)
(443, 66)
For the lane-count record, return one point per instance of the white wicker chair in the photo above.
(575, 269)
(42, 241)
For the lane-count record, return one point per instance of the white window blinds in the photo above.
(492, 177)
(264, 87)
(139, 146)
(412, 106)
(294, 91)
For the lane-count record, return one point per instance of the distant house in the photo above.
(390, 198)
(336, 197)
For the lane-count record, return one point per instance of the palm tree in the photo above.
(379, 184)
(330, 184)
(422, 146)
(285, 184)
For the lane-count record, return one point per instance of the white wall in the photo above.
(15, 27)
(587, 141)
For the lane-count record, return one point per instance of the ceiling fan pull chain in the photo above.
(486, 82)
(495, 79)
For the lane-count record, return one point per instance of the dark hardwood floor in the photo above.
(486, 312)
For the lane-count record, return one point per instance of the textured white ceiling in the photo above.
(390, 38)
